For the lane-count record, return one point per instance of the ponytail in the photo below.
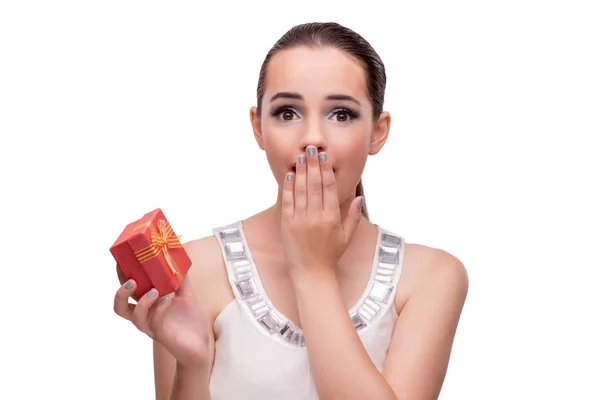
(361, 192)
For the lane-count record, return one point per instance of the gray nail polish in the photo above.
(165, 300)
(312, 151)
(151, 293)
(289, 177)
(361, 202)
(302, 159)
(323, 157)
(128, 285)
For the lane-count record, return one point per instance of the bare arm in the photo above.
(164, 371)
(315, 234)
(340, 363)
(420, 348)
(173, 381)
(191, 384)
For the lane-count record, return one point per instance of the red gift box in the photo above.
(149, 252)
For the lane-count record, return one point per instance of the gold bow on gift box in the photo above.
(162, 240)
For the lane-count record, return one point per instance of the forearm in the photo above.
(190, 384)
(341, 366)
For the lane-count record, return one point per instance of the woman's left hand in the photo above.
(313, 233)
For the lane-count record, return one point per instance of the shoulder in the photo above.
(435, 269)
(208, 274)
(432, 272)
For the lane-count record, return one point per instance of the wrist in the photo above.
(191, 382)
(309, 279)
(192, 369)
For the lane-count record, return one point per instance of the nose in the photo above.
(314, 135)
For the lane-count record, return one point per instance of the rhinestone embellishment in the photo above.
(248, 289)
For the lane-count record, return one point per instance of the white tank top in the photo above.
(260, 354)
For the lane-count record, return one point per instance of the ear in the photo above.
(380, 134)
(256, 127)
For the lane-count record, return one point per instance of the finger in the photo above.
(159, 313)
(314, 182)
(300, 187)
(122, 306)
(185, 288)
(140, 312)
(330, 195)
(287, 197)
(121, 275)
(353, 218)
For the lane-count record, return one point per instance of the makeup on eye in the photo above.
(285, 109)
(345, 111)
(287, 113)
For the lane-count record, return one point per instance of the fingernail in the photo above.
(361, 202)
(128, 285)
(165, 300)
(323, 156)
(151, 293)
(312, 151)
(289, 177)
(302, 159)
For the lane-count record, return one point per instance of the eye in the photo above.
(344, 114)
(285, 113)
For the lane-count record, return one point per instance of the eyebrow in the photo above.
(298, 96)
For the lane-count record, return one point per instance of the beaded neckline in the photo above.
(251, 295)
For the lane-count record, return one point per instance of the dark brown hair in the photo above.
(331, 34)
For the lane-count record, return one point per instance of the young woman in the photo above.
(308, 299)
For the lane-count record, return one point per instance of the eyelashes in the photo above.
(344, 110)
(280, 110)
(292, 112)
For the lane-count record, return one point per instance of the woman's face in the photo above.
(319, 97)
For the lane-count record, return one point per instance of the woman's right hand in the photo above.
(176, 322)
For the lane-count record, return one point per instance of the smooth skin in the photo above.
(313, 251)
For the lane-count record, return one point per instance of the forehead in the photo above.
(315, 72)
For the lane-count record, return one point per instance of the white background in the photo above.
(110, 109)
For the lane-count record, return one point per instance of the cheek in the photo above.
(277, 149)
(352, 156)
(351, 150)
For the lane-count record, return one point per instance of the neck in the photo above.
(268, 224)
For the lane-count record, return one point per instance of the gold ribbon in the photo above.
(161, 241)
